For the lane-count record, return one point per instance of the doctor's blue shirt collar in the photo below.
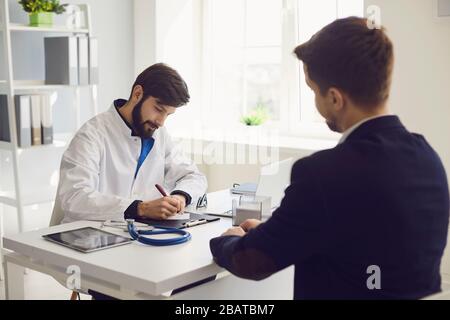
(119, 103)
(146, 144)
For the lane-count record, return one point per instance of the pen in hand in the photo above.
(162, 191)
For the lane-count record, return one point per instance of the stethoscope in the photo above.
(139, 235)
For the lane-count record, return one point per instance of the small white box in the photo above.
(250, 208)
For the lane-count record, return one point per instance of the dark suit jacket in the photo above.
(379, 199)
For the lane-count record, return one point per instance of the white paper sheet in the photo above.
(184, 216)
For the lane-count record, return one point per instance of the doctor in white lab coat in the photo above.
(110, 168)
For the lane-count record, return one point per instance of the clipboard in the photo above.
(194, 220)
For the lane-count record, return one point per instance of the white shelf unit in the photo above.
(34, 85)
(60, 29)
(17, 198)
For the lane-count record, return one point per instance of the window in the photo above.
(245, 48)
(237, 55)
(312, 15)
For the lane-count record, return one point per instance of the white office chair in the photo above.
(58, 213)
(445, 295)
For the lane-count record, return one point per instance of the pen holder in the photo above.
(250, 208)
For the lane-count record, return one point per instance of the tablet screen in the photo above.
(87, 239)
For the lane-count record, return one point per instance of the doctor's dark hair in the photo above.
(163, 83)
(348, 55)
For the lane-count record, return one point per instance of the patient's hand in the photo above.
(234, 231)
(250, 224)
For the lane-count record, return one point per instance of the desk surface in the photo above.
(148, 269)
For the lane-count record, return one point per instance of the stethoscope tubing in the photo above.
(139, 235)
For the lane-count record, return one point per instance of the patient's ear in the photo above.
(336, 98)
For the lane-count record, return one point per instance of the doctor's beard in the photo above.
(145, 129)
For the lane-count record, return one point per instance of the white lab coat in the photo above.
(97, 171)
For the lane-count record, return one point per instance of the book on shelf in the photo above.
(61, 60)
(4, 119)
(23, 120)
(71, 60)
(36, 120)
(46, 120)
(83, 60)
(93, 60)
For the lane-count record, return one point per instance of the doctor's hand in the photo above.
(250, 224)
(158, 209)
(181, 202)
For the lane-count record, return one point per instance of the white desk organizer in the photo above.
(257, 207)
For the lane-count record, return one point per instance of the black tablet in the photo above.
(87, 239)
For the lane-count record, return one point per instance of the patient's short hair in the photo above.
(350, 56)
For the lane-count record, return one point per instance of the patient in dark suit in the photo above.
(367, 219)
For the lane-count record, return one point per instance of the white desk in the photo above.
(136, 271)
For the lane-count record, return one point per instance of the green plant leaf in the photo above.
(256, 117)
(37, 6)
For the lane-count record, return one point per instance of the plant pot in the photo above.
(41, 19)
(251, 132)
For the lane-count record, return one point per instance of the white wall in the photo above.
(144, 34)
(112, 23)
(421, 75)
(421, 83)
(176, 36)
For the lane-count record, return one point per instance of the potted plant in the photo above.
(255, 117)
(41, 11)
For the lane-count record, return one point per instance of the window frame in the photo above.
(290, 123)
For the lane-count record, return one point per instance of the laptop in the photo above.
(273, 180)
